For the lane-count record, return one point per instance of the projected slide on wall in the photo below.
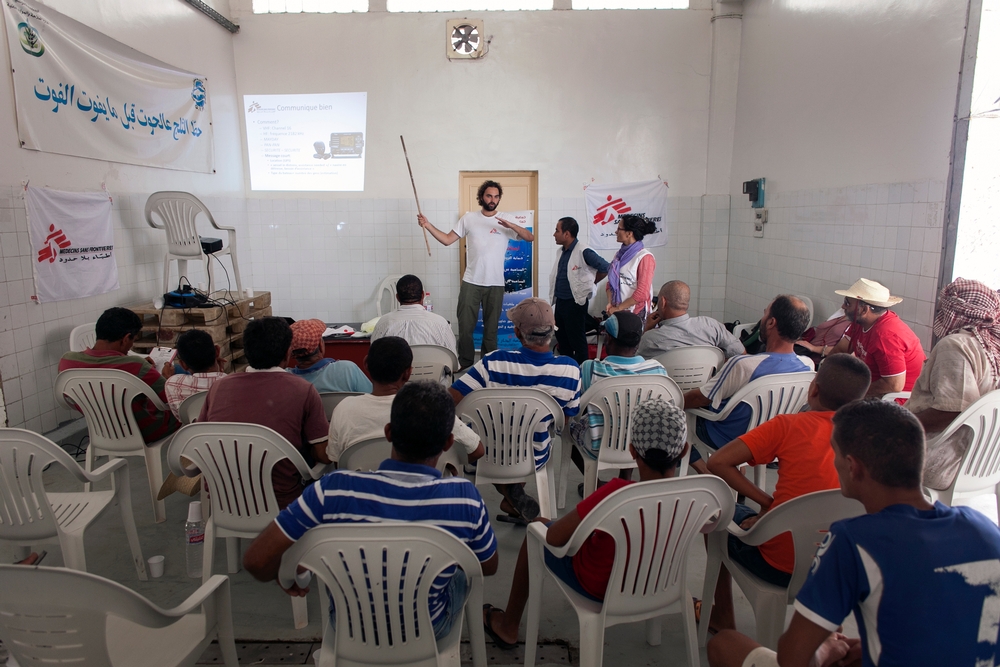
(306, 142)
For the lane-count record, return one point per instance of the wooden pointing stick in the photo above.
(413, 183)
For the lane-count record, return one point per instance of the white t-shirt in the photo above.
(364, 417)
(486, 242)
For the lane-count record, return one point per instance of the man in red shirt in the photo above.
(879, 338)
(801, 444)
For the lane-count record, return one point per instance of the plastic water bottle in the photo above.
(428, 304)
(194, 534)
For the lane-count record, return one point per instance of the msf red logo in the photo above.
(55, 240)
(610, 211)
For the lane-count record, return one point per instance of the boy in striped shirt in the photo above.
(406, 487)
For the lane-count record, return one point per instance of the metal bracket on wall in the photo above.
(214, 15)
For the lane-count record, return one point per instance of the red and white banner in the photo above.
(72, 243)
(606, 203)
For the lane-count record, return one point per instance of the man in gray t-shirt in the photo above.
(670, 326)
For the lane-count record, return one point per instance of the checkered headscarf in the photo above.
(971, 305)
(657, 424)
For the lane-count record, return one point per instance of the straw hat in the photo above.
(870, 292)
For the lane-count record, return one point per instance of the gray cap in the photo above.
(657, 424)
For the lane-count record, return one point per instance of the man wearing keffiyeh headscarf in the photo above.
(964, 365)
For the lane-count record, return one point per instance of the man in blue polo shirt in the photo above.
(785, 320)
(406, 487)
(922, 580)
(533, 366)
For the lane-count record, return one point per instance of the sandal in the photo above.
(488, 610)
(697, 616)
(511, 516)
(526, 506)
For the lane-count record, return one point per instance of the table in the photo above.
(348, 348)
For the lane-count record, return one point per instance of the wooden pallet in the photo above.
(232, 312)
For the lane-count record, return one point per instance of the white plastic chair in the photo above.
(808, 518)
(691, 367)
(768, 397)
(178, 212)
(653, 525)
(191, 407)
(53, 615)
(105, 396)
(331, 399)
(893, 395)
(979, 473)
(505, 420)
(384, 619)
(369, 454)
(388, 286)
(235, 460)
(433, 362)
(809, 304)
(746, 326)
(82, 337)
(615, 398)
(29, 515)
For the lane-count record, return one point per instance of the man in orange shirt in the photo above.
(801, 444)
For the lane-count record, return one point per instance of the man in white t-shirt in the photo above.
(487, 236)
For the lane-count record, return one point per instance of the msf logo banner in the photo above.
(607, 203)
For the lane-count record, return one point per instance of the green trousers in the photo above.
(470, 297)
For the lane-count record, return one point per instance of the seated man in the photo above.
(359, 418)
(532, 366)
(659, 432)
(266, 395)
(784, 320)
(406, 487)
(920, 578)
(307, 354)
(963, 367)
(117, 329)
(197, 354)
(671, 327)
(801, 443)
(623, 330)
(411, 321)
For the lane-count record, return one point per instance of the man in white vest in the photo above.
(573, 282)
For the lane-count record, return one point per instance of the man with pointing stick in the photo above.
(487, 235)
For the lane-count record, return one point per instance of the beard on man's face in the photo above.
(492, 206)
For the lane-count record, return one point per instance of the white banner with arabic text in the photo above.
(606, 203)
(79, 92)
(72, 243)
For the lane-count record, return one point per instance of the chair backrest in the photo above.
(505, 420)
(388, 286)
(772, 395)
(178, 212)
(653, 524)
(104, 396)
(54, 615)
(191, 407)
(808, 518)
(331, 399)
(980, 469)
(746, 326)
(433, 362)
(365, 455)
(25, 512)
(691, 367)
(235, 460)
(82, 337)
(380, 578)
(616, 398)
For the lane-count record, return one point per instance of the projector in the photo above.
(210, 245)
(184, 297)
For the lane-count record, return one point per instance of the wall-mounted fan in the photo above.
(465, 39)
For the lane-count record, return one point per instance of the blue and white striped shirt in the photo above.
(397, 492)
(594, 370)
(558, 377)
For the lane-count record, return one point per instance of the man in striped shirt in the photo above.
(406, 487)
(117, 329)
(532, 366)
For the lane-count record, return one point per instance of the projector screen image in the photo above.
(306, 142)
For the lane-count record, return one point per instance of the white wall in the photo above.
(576, 95)
(32, 336)
(845, 107)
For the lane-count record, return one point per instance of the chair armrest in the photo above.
(765, 529)
(734, 529)
(222, 228)
(537, 531)
(102, 472)
(708, 414)
(321, 469)
(198, 598)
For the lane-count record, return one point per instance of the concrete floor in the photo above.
(262, 612)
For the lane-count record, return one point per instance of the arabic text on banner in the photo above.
(79, 92)
(72, 243)
(606, 203)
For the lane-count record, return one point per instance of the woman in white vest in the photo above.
(630, 277)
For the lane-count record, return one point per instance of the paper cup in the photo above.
(155, 566)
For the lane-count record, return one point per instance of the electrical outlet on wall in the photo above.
(759, 220)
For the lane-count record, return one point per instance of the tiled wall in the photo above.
(817, 241)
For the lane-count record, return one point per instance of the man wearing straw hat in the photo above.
(878, 337)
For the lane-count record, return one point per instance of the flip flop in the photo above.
(697, 616)
(526, 506)
(488, 610)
